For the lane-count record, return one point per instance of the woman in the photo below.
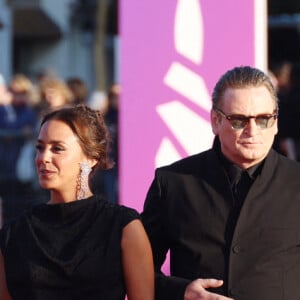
(54, 93)
(77, 246)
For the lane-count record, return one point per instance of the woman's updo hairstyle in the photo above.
(89, 127)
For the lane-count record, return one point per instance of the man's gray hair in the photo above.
(242, 77)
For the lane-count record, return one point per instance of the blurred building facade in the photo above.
(57, 36)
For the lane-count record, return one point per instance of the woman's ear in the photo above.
(92, 162)
(88, 162)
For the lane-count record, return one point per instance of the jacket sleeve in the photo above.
(154, 220)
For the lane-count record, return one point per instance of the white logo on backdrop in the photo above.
(191, 131)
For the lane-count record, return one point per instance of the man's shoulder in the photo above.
(189, 163)
(281, 165)
(287, 162)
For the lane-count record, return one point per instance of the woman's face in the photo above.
(58, 157)
(54, 97)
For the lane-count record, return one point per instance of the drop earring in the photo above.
(83, 182)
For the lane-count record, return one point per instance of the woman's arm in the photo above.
(137, 262)
(4, 295)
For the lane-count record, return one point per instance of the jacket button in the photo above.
(237, 249)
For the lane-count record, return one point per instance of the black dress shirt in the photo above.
(240, 182)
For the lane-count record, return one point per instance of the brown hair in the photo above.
(89, 127)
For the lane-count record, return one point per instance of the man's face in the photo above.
(250, 145)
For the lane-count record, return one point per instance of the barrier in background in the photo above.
(172, 53)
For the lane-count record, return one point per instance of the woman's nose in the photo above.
(43, 156)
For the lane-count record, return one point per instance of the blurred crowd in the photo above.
(286, 76)
(22, 104)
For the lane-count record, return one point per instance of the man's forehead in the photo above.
(247, 92)
(259, 97)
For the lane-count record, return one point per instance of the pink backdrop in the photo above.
(172, 53)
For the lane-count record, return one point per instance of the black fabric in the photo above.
(187, 209)
(67, 251)
(241, 187)
(240, 181)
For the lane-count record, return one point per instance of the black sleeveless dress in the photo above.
(67, 251)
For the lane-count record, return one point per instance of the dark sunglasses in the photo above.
(237, 122)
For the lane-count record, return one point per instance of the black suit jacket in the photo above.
(187, 210)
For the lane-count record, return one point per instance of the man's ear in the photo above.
(214, 119)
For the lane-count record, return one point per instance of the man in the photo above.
(230, 216)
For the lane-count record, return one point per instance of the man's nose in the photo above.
(252, 127)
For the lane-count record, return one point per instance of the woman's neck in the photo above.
(58, 197)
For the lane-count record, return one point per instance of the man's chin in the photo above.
(252, 155)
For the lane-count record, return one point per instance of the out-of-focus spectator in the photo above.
(23, 90)
(282, 71)
(25, 98)
(109, 178)
(5, 95)
(111, 118)
(17, 124)
(99, 101)
(44, 73)
(54, 93)
(78, 88)
(289, 117)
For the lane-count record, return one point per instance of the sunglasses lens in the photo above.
(262, 122)
(265, 121)
(238, 122)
